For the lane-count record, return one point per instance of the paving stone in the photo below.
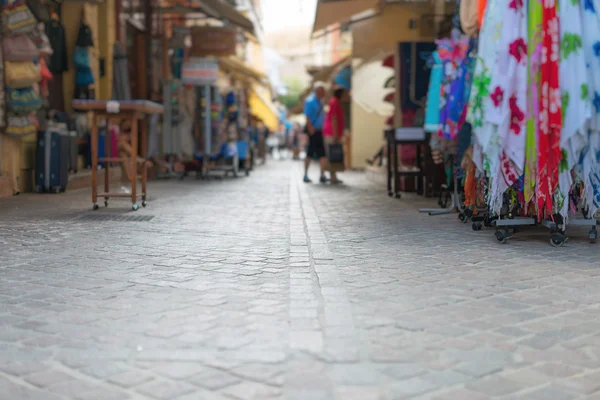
(496, 386)
(318, 293)
(164, 390)
(20, 368)
(130, 378)
(49, 377)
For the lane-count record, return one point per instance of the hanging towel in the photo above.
(432, 113)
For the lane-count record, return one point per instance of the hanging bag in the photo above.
(20, 125)
(81, 58)
(22, 101)
(17, 18)
(41, 41)
(19, 48)
(84, 77)
(19, 75)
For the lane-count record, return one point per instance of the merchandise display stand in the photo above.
(404, 136)
(116, 111)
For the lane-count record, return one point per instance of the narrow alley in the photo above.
(267, 288)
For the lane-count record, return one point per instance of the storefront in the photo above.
(44, 75)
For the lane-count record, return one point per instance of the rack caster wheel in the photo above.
(476, 226)
(593, 235)
(462, 217)
(557, 239)
(390, 194)
(487, 222)
(502, 236)
(144, 203)
(95, 207)
(135, 207)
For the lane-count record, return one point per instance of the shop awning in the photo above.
(240, 69)
(331, 12)
(225, 11)
(212, 8)
(262, 106)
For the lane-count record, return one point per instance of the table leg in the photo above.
(396, 175)
(134, 157)
(421, 170)
(144, 141)
(389, 166)
(106, 163)
(94, 150)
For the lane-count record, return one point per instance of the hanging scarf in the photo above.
(507, 103)
(486, 56)
(533, 106)
(481, 5)
(589, 167)
(550, 120)
(432, 112)
(576, 107)
(453, 53)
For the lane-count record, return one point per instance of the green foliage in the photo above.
(292, 98)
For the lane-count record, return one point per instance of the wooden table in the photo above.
(116, 111)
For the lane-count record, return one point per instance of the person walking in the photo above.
(315, 116)
(334, 125)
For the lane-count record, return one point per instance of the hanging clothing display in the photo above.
(533, 106)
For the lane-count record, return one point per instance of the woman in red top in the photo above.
(333, 128)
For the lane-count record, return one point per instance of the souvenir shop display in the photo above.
(519, 113)
(22, 62)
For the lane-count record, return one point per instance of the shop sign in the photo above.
(199, 71)
(213, 41)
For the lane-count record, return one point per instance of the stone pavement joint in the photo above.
(268, 288)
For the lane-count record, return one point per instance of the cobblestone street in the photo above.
(267, 288)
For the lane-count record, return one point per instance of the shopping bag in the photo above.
(336, 153)
(335, 157)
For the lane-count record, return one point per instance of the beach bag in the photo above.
(17, 18)
(20, 125)
(81, 58)
(19, 75)
(19, 48)
(84, 77)
(22, 101)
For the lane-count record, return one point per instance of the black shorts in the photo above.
(316, 146)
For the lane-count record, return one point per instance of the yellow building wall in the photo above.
(372, 38)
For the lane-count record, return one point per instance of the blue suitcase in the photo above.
(51, 162)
